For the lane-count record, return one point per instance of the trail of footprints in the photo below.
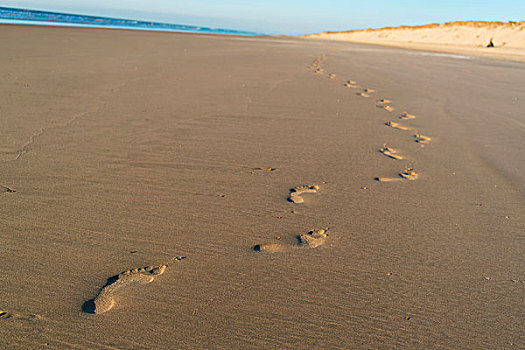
(408, 173)
(108, 294)
(313, 238)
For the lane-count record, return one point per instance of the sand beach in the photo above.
(181, 191)
(503, 40)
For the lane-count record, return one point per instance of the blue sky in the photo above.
(288, 16)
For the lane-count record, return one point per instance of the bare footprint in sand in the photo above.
(311, 239)
(297, 192)
(266, 169)
(271, 247)
(390, 152)
(397, 125)
(7, 315)
(422, 138)
(386, 108)
(316, 64)
(7, 189)
(351, 84)
(407, 116)
(366, 92)
(385, 104)
(105, 299)
(407, 174)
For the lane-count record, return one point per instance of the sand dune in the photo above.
(508, 38)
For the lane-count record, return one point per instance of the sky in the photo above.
(288, 16)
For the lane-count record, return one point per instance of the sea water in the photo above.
(23, 16)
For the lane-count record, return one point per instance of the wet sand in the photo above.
(123, 152)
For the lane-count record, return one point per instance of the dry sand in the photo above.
(121, 150)
(470, 37)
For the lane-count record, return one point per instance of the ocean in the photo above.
(34, 17)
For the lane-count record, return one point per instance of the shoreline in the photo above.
(160, 31)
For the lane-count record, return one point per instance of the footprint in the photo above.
(311, 239)
(313, 66)
(369, 91)
(385, 104)
(271, 247)
(422, 138)
(7, 315)
(351, 84)
(297, 192)
(397, 126)
(390, 152)
(331, 75)
(363, 94)
(407, 116)
(7, 189)
(407, 174)
(105, 300)
(386, 107)
(266, 169)
(316, 64)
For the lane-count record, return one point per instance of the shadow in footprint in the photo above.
(89, 306)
